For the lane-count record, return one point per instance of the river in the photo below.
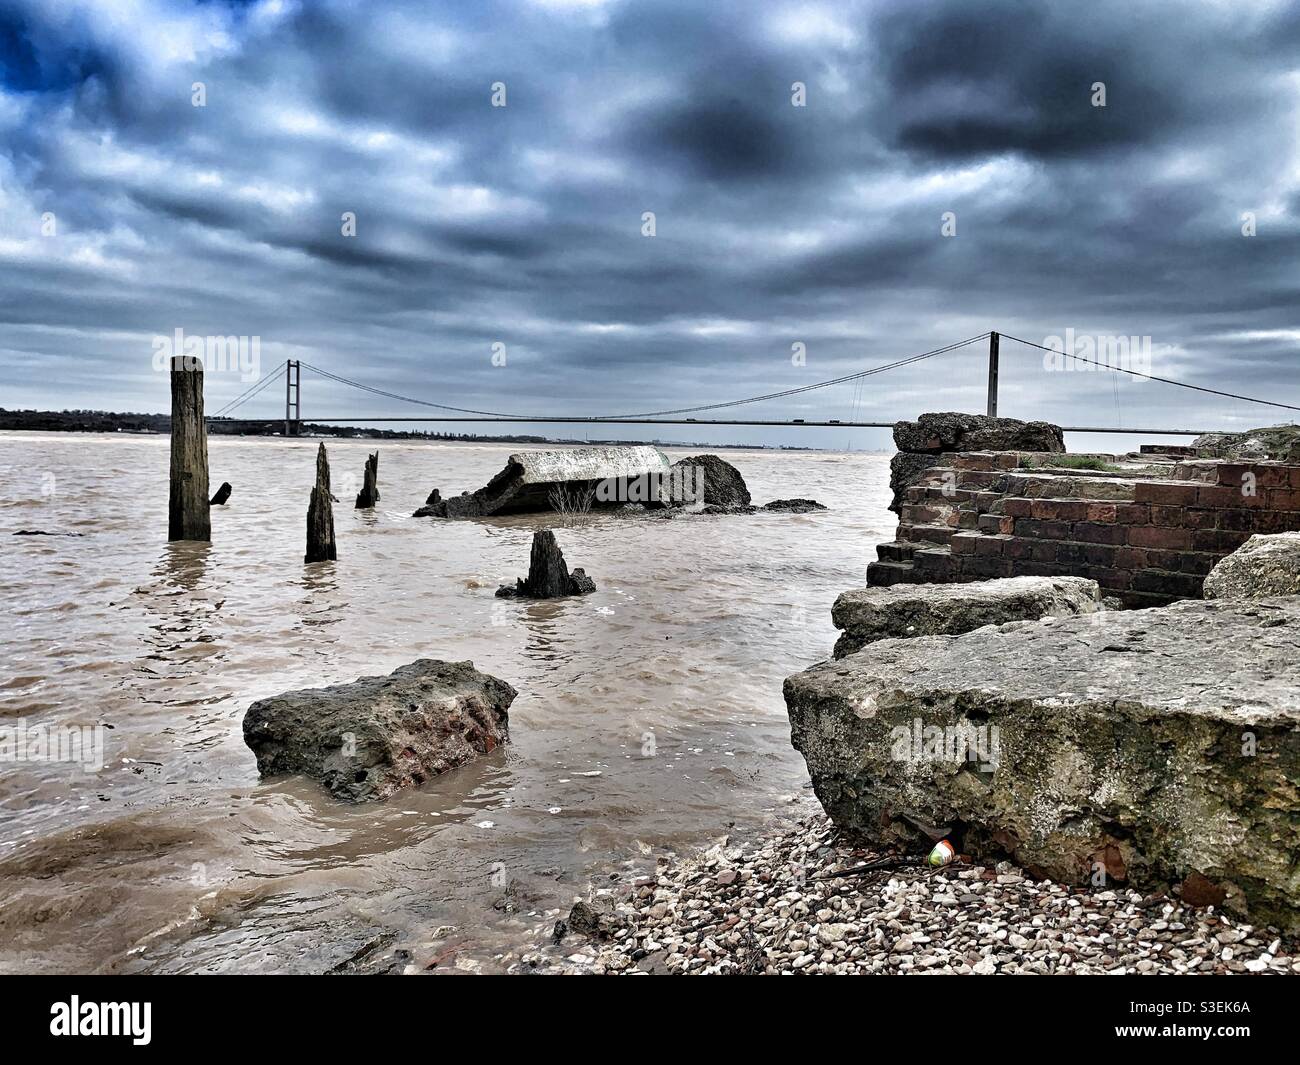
(649, 718)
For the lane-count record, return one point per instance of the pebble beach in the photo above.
(777, 907)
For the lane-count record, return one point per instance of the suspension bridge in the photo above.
(291, 371)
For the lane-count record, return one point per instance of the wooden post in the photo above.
(993, 376)
(187, 502)
(369, 494)
(548, 575)
(320, 514)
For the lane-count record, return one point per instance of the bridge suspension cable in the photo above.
(1152, 377)
(250, 392)
(905, 361)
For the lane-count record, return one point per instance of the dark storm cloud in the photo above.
(775, 224)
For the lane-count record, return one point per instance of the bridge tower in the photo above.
(292, 397)
(992, 409)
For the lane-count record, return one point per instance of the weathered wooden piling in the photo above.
(187, 502)
(320, 515)
(369, 494)
(548, 573)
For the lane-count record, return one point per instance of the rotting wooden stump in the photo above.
(187, 502)
(223, 494)
(320, 515)
(548, 573)
(369, 494)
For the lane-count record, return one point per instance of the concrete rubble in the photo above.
(368, 739)
(866, 615)
(1155, 747)
(1263, 566)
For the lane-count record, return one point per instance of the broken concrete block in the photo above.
(869, 614)
(1145, 745)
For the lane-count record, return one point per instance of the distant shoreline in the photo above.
(160, 425)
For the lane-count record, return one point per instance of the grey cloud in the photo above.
(775, 224)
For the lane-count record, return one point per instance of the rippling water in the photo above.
(649, 716)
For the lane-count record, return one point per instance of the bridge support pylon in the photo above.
(992, 409)
(292, 396)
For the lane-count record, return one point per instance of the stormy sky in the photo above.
(1171, 213)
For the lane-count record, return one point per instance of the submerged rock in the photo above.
(1263, 566)
(710, 480)
(903, 610)
(583, 477)
(794, 506)
(368, 739)
(548, 573)
(1150, 745)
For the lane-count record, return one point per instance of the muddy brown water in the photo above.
(649, 717)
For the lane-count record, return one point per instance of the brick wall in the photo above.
(1147, 541)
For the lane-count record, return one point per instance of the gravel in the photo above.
(769, 908)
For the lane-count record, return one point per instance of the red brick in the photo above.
(1209, 495)
(1019, 547)
(1170, 493)
(987, 566)
(1101, 512)
(1233, 475)
(1157, 536)
(1155, 580)
(1283, 498)
(989, 545)
(1109, 578)
(1071, 554)
(1219, 540)
(1131, 557)
(1132, 513)
(1043, 530)
(1168, 515)
(963, 543)
(1040, 569)
(1101, 554)
(1198, 561)
(1043, 551)
(1098, 532)
(996, 523)
(1199, 519)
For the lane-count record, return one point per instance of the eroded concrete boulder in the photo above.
(708, 479)
(368, 739)
(568, 478)
(952, 431)
(1261, 567)
(1159, 745)
(1268, 442)
(904, 610)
